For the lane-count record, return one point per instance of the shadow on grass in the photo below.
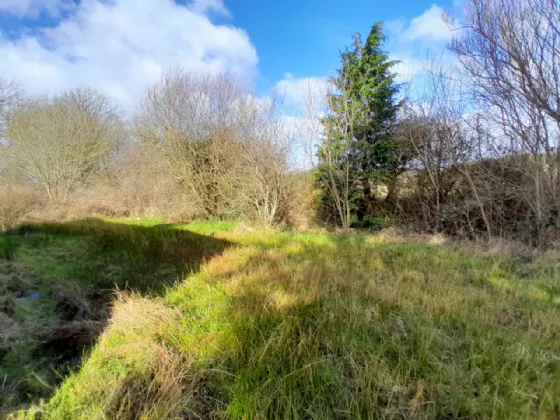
(368, 330)
(57, 281)
(145, 259)
(316, 326)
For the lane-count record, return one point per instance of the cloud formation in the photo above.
(120, 47)
(296, 92)
(203, 6)
(429, 26)
(418, 40)
(34, 8)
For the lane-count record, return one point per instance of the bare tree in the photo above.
(189, 118)
(316, 107)
(338, 170)
(224, 146)
(61, 143)
(262, 162)
(11, 97)
(509, 50)
(443, 142)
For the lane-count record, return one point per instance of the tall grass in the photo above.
(72, 270)
(323, 326)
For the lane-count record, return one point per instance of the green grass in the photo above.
(312, 325)
(75, 267)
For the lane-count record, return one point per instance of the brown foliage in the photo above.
(17, 202)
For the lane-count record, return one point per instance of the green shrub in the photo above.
(7, 247)
(370, 222)
(355, 222)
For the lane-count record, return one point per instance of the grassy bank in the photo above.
(57, 282)
(284, 325)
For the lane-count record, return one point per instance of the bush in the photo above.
(355, 222)
(299, 205)
(370, 222)
(17, 202)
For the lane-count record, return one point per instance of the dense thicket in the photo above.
(198, 147)
(466, 150)
(487, 139)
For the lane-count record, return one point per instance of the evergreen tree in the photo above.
(366, 88)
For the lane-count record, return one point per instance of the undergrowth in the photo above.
(314, 325)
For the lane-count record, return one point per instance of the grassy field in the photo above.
(214, 321)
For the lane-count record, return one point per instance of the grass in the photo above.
(74, 269)
(305, 325)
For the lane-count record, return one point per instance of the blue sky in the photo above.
(304, 37)
(121, 46)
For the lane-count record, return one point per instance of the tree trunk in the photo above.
(366, 206)
(392, 195)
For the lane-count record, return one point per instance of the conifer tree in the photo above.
(363, 106)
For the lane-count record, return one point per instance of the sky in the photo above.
(121, 46)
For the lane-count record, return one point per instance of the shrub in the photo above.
(17, 202)
(299, 207)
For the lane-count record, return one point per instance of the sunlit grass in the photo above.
(315, 325)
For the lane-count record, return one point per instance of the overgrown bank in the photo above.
(283, 325)
(57, 282)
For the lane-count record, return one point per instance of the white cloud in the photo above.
(297, 92)
(429, 26)
(407, 67)
(218, 6)
(33, 8)
(417, 41)
(121, 46)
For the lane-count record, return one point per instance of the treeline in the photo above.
(198, 147)
(469, 149)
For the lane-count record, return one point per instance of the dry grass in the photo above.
(159, 198)
(17, 202)
(131, 375)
